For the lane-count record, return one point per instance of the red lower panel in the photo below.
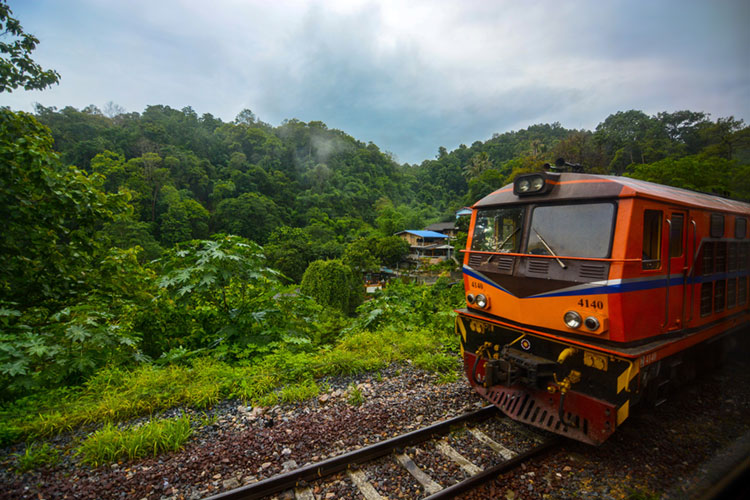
(586, 419)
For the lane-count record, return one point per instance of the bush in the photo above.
(332, 283)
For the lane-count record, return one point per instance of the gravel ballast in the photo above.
(663, 452)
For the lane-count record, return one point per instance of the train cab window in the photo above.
(581, 230)
(717, 226)
(740, 227)
(675, 237)
(498, 230)
(652, 239)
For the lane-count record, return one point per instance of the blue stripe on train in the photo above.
(634, 285)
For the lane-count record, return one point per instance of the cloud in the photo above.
(409, 76)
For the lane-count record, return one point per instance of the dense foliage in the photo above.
(134, 239)
(132, 276)
(17, 68)
(119, 253)
(332, 283)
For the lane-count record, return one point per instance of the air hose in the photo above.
(482, 349)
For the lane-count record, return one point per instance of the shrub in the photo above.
(332, 283)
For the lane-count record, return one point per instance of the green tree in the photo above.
(332, 283)
(250, 215)
(478, 164)
(360, 255)
(623, 135)
(709, 174)
(51, 215)
(289, 250)
(17, 68)
(184, 220)
(391, 250)
(61, 286)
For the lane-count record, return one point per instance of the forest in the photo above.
(138, 243)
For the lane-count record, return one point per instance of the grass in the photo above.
(116, 395)
(36, 455)
(112, 444)
(355, 396)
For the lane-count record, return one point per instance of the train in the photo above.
(588, 295)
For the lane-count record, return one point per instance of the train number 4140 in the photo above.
(591, 304)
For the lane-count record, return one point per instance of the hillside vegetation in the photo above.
(162, 259)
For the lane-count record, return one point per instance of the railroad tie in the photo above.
(451, 453)
(426, 481)
(497, 447)
(360, 480)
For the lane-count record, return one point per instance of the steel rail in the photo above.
(288, 480)
(491, 473)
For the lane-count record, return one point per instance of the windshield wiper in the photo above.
(499, 248)
(501, 245)
(549, 249)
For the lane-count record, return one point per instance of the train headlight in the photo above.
(572, 319)
(481, 301)
(529, 184)
(591, 323)
(470, 298)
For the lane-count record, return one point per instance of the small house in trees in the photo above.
(447, 228)
(427, 244)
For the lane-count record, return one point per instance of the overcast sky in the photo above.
(410, 76)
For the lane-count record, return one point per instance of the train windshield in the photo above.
(583, 230)
(572, 230)
(498, 230)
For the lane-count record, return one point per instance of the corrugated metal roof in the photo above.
(440, 226)
(424, 234)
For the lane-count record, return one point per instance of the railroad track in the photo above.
(355, 462)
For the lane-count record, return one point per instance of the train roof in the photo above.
(571, 186)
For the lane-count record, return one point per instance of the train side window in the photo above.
(720, 257)
(731, 293)
(740, 227)
(742, 291)
(675, 237)
(743, 256)
(717, 226)
(706, 296)
(652, 239)
(719, 295)
(732, 257)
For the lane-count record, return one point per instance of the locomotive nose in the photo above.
(518, 367)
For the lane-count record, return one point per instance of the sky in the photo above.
(410, 76)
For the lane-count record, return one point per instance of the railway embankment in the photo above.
(672, 451)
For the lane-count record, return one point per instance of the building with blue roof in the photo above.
(427, 244)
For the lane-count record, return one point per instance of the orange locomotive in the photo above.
(588, 294)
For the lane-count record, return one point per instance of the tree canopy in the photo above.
(17, 68)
